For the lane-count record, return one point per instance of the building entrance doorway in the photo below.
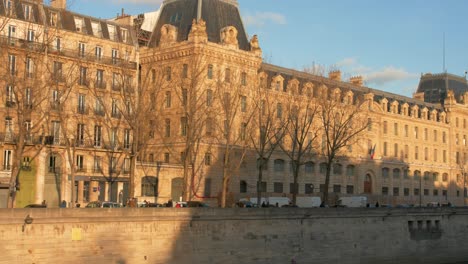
(368, 184)
(177, 187)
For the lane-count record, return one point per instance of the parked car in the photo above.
(196, 204)
(98, 204)
(180, 204)
(36, 206)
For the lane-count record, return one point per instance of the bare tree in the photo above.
(342, 118)
(267, 130)
(27, 86)
(235, 124)
(300, 138)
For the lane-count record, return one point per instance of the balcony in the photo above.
(10, 103)
(55, 106)
(81, 168)
(83, 82)
(82, 110)
(116, 87)
(53, 169)
(21, 43)
(71, 53)
(116, 115)
(100, 84)
(99, 112)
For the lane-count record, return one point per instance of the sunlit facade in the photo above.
(177, 71)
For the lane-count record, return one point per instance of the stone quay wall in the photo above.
(241, 235)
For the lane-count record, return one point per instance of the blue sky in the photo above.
(389, 43)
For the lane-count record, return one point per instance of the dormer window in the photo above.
(9, 7)
(124, 35)
(27, 9)
(79, 23)
(53, 19)
(96, 26)
(111, 31)
(175, 18)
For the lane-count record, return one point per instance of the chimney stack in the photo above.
(335, 75)
(60, 4)
(356, 80)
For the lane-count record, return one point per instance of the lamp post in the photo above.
(420, 189)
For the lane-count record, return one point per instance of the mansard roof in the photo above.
(303, 77)
(436, 86)
(216, 13)
(66, 20)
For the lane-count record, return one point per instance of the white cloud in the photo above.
(347, 62)
(389, 74)
(138, 2)
(262, 18)
(379, 77)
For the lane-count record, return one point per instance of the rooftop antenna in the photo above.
(444, 69)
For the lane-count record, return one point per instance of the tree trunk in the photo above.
(327, 183)
(259, 182)
(296, 187)
(224, 192)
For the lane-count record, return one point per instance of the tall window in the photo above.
(29, 67)
(167, 128)
(83, 73)
(210, 72)
(279, 111)
(12, 64)
(7, 157)
(97, 136)
(183, 126)
(168, 99)
(244, 79)
(184, 97)
(81, 103)
(97, 164)
(27, 10)
(80, 163)
(81, 49)
(115, 56)
(80, 134)
(185, 71)
(149, 186)
(127, 135)
(30, 37)
(100, 79)
(227, 75)
(209, 97)
(243, 104)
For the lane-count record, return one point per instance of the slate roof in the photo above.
(66, 19)
(216, 13)
(435, 86)
(288, 74)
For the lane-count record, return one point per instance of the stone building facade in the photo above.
(165, 114)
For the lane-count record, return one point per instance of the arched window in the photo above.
(445, 177)
(309, 167)
(417, 175)
(149, 186)
(385, 172)
(427, 175)
(337, 169)
(350, 170)
(279, 165)
(396, 173)
(243, 187)
(263, 163)
(323, 168)
(435, 176)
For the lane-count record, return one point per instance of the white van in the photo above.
(308, 202)
(270, 200)
(352, 201)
